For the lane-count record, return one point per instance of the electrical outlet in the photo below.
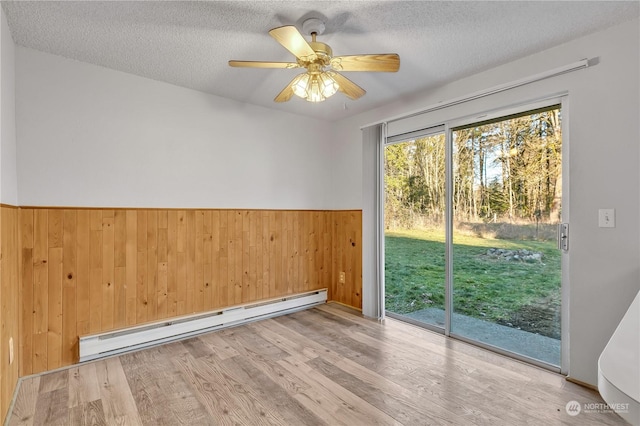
(342, 277)
(10, 350)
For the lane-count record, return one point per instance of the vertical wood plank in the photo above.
(181, 264)
(26, 292)
(207, 260)
(266, 254)
(172, 263)
(328, 246)
(69, 280)
(279, 276)
(9, 303)
(54, 322)
(272, 255)
(131, 265)
(297, 285)
(108, 270)
(259, 255)
(120, 304)
(216, 260)
(197, 263)
(223, 261)
(306, 221)
(141, 266)
(231, 260)
(317, 252)
(283, 259)
(246, 248)
(190, 252)
(336, 255)
(95, 271)
(55, 218)
(163, 260)
(251, 262)
(119, 262)
(40, 289)
(152, 265)
(357, 261)
(238, 268)
(83, 268)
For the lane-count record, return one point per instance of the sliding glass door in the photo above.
(414, 213)
(470, 231)
(507, 194)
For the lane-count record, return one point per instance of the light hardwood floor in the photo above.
(326, 365)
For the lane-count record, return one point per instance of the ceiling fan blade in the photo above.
(384, 62)
(286, 93)
(347, 86)
(261, 64)
(291, 39)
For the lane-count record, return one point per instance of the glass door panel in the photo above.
(414, 212)
(507, 191)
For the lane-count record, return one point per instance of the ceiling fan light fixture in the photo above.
(322, 79)
(314, 87)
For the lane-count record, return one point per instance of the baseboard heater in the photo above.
(111, 343)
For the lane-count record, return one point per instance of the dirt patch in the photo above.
(541, 318)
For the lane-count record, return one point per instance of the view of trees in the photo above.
(506, 171)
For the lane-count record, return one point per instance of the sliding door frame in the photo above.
(560, 99)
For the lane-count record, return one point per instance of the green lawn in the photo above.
(515, 293)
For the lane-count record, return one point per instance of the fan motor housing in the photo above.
(321, 49)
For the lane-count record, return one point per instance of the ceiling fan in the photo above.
(321, 79)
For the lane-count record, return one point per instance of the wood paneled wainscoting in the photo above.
(87, 271)
(9, 302)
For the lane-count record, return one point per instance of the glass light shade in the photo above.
(300, 85)
(328, 85)
(314, 87)
(314, 94)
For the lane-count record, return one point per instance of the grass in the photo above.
(505, 292)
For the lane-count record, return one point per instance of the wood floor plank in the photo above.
(227, 401)
(117, 402)
(51, 408)
(281, 337)
(83, 385)
(219, 347)
(156, 382)
(397, 402)
(54, 381)
(196, 347)
(88, 413)
(24, 407)
(269, 393)
(348, 407)
(326, 365)
(265, 363)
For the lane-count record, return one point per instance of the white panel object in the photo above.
(111, 343)
(607, 218)
(619, 367)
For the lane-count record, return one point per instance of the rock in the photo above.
(521, 255)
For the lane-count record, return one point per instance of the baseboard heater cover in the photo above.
(119, 341)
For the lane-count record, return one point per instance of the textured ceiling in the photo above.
(189, 43)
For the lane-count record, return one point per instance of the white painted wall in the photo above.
(91, 136)
(604, 169)
(8, 174)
